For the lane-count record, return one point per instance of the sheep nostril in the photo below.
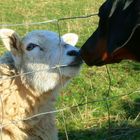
(73, 53)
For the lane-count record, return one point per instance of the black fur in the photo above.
(119, 27)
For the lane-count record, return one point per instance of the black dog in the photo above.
(117, 36)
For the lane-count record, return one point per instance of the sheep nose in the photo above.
(73, 53)
(77, 57)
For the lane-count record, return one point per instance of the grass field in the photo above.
(96, 112)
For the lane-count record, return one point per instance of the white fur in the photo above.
(70, 38)
(35, 92)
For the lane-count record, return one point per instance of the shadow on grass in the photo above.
(134, 65)
(103, 134)
(132, 108)
(124, 130)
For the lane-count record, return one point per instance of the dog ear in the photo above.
(127, 3)
(124, 26)
(136, 31)
(70, 38)
(11, 41)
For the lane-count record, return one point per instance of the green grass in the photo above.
(88, 92)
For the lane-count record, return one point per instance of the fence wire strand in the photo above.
(49, 21)
(68, 108)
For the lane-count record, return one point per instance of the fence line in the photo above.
(49, 21)
(67, 108)
(31, 72)
(55, 67)
(105, 99)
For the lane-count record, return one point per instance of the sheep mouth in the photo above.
(75, 64)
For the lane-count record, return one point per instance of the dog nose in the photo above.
(73, 53)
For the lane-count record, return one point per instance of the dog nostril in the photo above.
(73, 53)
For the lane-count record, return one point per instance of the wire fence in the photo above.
(49, 21)
(105, 99)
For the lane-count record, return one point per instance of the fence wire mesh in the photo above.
(108, 77)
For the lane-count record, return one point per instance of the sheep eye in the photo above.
(66, 45)
(31, 46)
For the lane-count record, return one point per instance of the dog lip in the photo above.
(97, 62)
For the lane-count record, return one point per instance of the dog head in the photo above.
(46, 58)
(116, 37)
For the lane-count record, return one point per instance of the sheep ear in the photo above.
(11, 41)
(70, 38)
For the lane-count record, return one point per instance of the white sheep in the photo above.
(32, 73)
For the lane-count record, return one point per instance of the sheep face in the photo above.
(44, 58)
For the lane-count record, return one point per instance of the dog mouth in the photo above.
(97, 62)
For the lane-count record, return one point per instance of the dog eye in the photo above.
(31, 46)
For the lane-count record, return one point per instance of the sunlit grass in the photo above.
(89, 90)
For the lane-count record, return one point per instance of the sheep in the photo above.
(32, 73)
